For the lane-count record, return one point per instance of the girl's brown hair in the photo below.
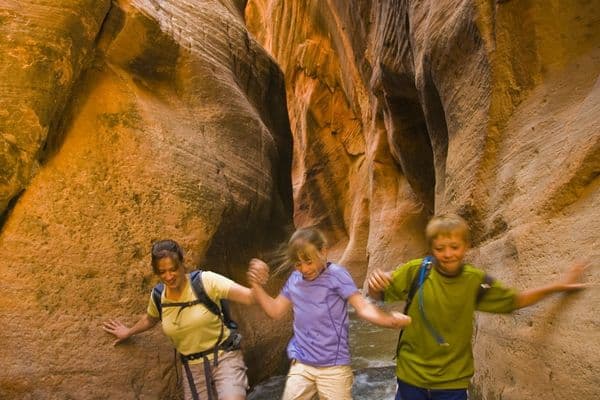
(305, 245)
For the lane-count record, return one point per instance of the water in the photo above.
(372, 361)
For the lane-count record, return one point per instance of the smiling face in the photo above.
(171, 273)
(449, 251)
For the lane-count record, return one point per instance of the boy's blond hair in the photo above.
(445, 225)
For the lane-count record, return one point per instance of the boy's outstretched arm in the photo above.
(258, 273)
(377, 282)
(571, 281)
(375, 315)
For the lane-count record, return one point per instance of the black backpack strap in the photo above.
(484, 286)
(223, 312)
(156, 297)
(201, 295)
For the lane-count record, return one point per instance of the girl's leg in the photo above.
(335, 383)
(458, 394)
(300, 383)
(409, 392)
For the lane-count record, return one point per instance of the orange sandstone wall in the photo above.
(121, 123)
(400, 109)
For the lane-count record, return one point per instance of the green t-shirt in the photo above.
(449, 304)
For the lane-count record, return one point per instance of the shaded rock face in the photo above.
(491, 109)
(122, 123)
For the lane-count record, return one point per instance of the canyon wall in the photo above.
(401, 109)
(121, 123)
(127, 121)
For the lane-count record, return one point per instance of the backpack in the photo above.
(417, 283)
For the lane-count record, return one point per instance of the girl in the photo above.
(434, 359)
(197, 333)
(318, 292)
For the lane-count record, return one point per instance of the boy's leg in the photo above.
(455, 394)
(334, 383)
(410, 392)
(300, 383)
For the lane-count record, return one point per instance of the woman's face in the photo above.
(171, 273)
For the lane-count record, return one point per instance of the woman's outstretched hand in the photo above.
(116, 328)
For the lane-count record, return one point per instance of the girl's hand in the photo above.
(571, 279)
(116, 328)
(258, 272)
(400, 320)
(379, 280)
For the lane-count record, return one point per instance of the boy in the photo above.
(434, 355)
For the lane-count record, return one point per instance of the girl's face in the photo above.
(171, 274)
(449, 251)
(311, 269)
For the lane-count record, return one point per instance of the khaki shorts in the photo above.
(229, 377)
(330, 383)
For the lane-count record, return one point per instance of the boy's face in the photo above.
(449, 251)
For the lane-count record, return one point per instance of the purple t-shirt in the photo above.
(320, 316)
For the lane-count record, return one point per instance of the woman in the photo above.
(198, 334)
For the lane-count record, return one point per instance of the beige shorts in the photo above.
(330, 383)
(229, 377)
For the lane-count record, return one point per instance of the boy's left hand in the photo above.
(400, 320)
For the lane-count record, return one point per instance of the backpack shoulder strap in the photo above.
(198, 287)
(484, 286)
(414, 286)
(156, 297)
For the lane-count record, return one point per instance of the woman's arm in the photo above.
(122, 332)
(375, 315)
(240, 294)
(571, 281)
(258, 273)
